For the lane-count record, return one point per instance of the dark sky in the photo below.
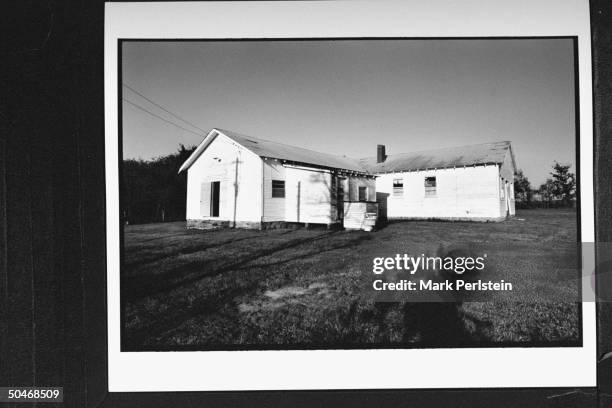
(344, 97)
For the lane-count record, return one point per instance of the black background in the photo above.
(52, 225)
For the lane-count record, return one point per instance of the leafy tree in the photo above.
(152, 190)
(522, 189)
(546, 190)
(563, 183)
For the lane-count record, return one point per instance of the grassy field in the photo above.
(305, 287)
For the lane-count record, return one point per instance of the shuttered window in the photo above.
(430, 186)
(278, 188)
(398, 187)
(205, 196)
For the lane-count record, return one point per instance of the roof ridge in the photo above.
(282, 144)
(442, 148)
(243, 135)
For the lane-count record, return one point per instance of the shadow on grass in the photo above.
(136, 287)
(189, 311)
(423, 325)
(187, 250)
(133, 289)
(443, 325)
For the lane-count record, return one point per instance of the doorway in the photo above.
(215, 189)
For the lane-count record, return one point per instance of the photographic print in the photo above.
(295, 203)
(313, 194)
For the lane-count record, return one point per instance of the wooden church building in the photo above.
(235, 180)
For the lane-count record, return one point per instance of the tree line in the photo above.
(559, 190)
(152, 190)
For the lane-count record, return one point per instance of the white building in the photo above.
(461, 183)
(241, 181)
(238, 180)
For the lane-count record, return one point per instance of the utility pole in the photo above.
(236, 187)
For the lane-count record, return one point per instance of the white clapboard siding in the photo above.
(239, 172)
(355, 214)
(274, 207)
(308, 196)
(463, 192)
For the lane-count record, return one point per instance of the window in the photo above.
(278, 188)
(502, 188)
(430, 186)
(398, 187)
(363, 194)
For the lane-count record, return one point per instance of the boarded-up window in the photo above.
(363, 194)
(430, 186)
(278, 188)
(398, 187)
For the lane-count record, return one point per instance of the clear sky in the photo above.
(345, 97)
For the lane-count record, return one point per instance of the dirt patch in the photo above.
(287, 291)
(287, 295)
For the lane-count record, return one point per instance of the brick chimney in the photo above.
(380, 153)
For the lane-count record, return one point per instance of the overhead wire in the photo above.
(161, 118)
(163, 108)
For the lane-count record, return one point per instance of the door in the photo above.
(205, 199)
(363, 194)
(215, 189)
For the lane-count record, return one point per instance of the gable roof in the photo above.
(280, 151)
(486, 153)
(480, 154)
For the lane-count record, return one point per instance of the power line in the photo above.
(159, 117)
(162, 108)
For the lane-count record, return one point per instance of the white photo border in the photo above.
(345, 369)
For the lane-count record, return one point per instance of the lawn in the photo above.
(292, 288)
